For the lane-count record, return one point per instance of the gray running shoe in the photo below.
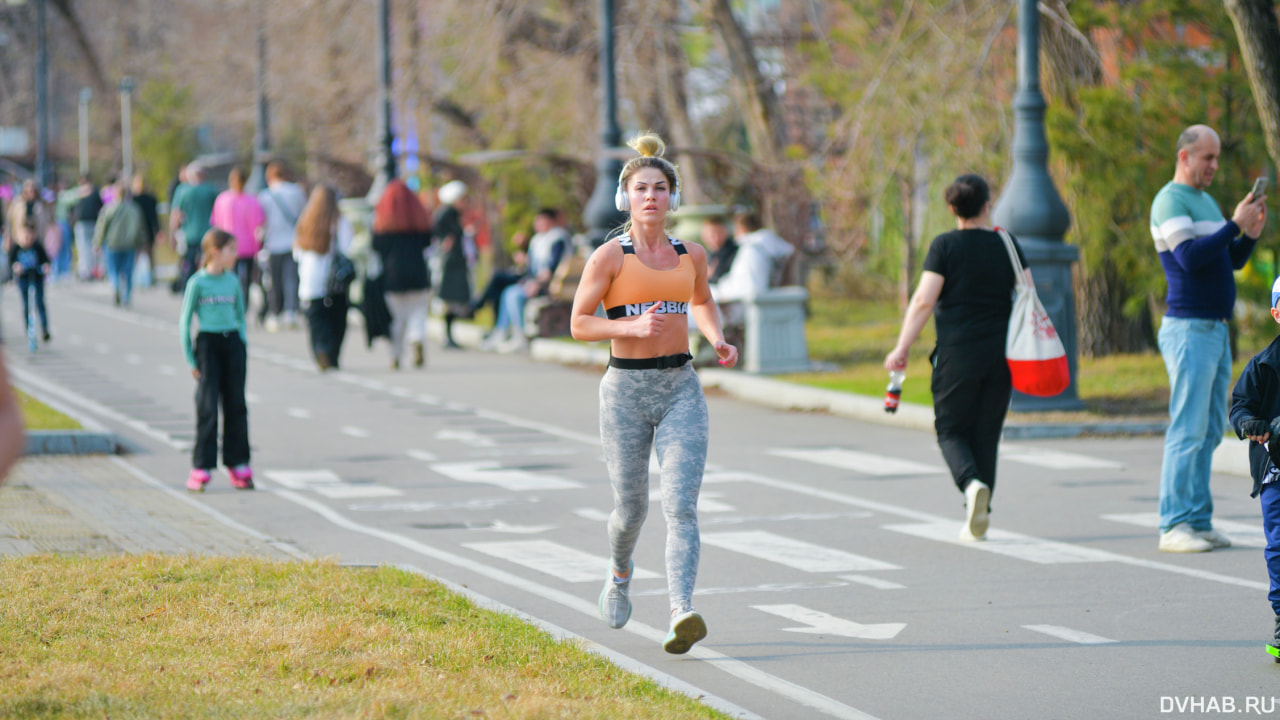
(615, 606)
(1273, 645)
(687, 628)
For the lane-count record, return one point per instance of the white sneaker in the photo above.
(494, 341)
(517, 344)
(1182, 539)
(1215, 538)
(687, 628)
(272, 324)
(977, 497)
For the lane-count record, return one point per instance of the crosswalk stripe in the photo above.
(1241, 534)
(1075, 636)
(874, 582)
(1054, 459)
(328, 484)
(1010, 544)
(862, 462)
(551, 558)
(793, 553)
(492, 472)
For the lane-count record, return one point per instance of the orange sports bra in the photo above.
(638, 287)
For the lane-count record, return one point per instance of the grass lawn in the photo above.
(188, 637)
(853, 336)
(38, 416)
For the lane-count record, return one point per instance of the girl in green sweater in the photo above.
(219, 362)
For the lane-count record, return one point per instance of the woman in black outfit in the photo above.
(401, 233)
(967, 284)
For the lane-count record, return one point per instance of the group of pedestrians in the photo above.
(967, 287)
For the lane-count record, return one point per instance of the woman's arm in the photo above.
(705, 312)
(918, 312)
(602, 267)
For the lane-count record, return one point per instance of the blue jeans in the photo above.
(1197, 354)
(1270, 497)
(120, 270)
(25, 283)
(511, 309)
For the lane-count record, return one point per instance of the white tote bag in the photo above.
(1036, 356)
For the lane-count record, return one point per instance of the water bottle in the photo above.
(893, 393)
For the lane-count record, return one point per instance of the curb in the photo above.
(781, 395)
(70, 442)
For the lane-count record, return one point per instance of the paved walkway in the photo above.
(102, 505)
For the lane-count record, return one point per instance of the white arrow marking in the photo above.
(821, 623)
(355, 431)
(300, 413)
(491, 472)
(422, 455)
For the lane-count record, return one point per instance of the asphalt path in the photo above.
(831, 578)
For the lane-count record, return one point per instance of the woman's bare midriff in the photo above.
(673, 340)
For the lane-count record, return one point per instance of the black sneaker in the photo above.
(47, 337)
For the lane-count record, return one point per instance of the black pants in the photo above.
(222, 361)
(971, 390)
(282, 287)
(327, 321)
(499, 281)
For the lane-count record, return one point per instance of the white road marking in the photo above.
(737, 668)
(167, 370)
(422, 455)
(328, 484)
(592, 514)
(492, 473)
(862, 462)
(354, 431)
(1075, 636)
(502, 527)
(1054, 459)
(133, 359)
(928, 518)
(551, 558)
(300, 413)
(1004, 542)
(422, 506)
(251, 398)
(766, 588)
(874, 582)
(820, 623)
(1241, 534)
(707, 502)
(467, 437)
(102, 349)
(783, 517)
(793, 553)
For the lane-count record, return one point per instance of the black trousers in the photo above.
(223, 364)
(971, 390)
(327, 321)
(282, 287)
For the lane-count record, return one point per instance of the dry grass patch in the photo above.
(155, 637)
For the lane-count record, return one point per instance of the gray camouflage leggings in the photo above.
(640, 409)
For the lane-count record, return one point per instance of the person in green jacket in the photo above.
(219, 362)
(121, 232)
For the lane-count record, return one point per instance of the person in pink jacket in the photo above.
(240, 214)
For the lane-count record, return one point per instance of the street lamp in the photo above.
(85, 96)
(1031, 209)
(42, 98)
(261, 142)
(601, 215)
(126, 127)
(386, 160)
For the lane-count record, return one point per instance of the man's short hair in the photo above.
(748, 220)
(1188, 138)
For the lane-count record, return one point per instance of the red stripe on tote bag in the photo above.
(1037, 359)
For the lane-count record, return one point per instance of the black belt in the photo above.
(664, 362)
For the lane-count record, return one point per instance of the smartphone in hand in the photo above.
(1259, 188)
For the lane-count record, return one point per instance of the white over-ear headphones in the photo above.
(624, 205)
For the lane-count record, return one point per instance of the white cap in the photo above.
(452, 191)
(1275, 292)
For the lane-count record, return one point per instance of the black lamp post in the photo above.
(43, 176)
(1031, 208)
(261, 138)
(386, 159)
(601, 215)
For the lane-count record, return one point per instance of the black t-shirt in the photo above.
(977, 288)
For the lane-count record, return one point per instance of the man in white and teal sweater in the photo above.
(1200, 250)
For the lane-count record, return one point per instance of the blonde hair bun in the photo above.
(648, 145)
